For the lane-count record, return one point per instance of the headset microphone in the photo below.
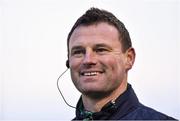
(67, 64)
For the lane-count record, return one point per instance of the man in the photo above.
(100, 54)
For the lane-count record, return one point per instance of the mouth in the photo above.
(90, 73)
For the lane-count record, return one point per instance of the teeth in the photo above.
(90, 73)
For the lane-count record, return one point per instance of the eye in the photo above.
(77, 52)
(102, 50)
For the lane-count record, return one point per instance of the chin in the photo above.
(96, 94)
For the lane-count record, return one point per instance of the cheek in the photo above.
(115, 68)
(74, 68)
(111, 62)
(74, 63)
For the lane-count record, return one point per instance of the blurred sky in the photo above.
(33, 54)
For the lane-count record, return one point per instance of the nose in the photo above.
(89, 58)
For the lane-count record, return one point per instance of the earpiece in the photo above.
(67, 63)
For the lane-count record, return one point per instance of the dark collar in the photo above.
(125, 103)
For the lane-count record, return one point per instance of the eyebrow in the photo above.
(97, 45)
(76, 47)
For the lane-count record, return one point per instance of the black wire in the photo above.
(61, 92)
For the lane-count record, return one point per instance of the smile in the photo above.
(92, 73)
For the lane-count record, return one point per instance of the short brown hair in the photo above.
(95, 16)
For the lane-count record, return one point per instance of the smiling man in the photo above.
(100, 54)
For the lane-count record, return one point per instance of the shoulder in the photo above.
(146, 113)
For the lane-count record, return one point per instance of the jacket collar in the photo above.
(125, 103)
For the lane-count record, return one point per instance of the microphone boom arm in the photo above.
(61, 91)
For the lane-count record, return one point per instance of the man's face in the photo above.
(96, 60)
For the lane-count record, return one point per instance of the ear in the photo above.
(130, 58)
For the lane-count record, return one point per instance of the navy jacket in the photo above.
(126, 107)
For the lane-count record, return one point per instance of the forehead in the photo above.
(96, 33)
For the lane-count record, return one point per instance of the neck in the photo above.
(95, 105)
